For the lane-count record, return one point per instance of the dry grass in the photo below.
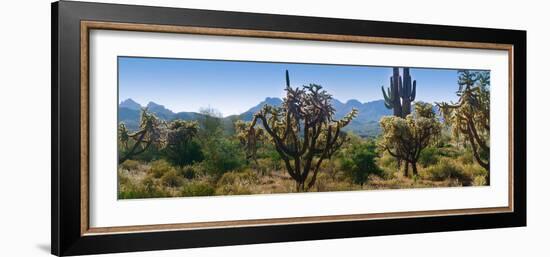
(160, 179)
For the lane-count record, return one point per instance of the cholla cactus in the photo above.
(250, 138)
(149, 133)
(178, 142)
(405, 138)
(469, 117)
(303, 131)
(180, 131)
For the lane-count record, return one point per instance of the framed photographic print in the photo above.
(177, 128)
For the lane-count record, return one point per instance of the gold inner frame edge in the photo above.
(86, 26)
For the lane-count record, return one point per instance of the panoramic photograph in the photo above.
(191, 127)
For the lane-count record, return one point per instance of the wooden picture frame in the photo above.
(71, 25)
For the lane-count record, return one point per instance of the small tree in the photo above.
(359, 161)
(148, 133)
(469, 117)
(179, 145)
(210, 123)
(303, 131)
(405, 139)
(221, 154)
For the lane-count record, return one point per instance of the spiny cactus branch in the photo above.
(303, 131)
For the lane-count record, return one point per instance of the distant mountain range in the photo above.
(365, 124)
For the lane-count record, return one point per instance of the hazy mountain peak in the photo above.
(336, 101)
(353, 102)
(365, 124)
(153, 104)
(160, 110)
(130, 104)
(272, 101)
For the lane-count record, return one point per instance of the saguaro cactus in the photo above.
(401, 93)
(391, 99)
(407, 92)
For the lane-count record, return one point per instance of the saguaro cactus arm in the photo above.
(407, 92)
(388, 98)
(413, 94)
(408, 89)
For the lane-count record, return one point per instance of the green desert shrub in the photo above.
(262, 165)
(150, 154)
(122, 178)
(322, 182)
(244, 177)
(223, 155)
(359, 162)
(267, 165)
(187, 172)
(146, 188)
(171, 179)
(429, 156)
(130, 165)
(479, 181)
(273, 159)
(233, 189)
(148, 183)
(236, 183)
(387, 161)
(197, 188)
(447, 168)
(159, 168)
(184, 154)
(466, 157)
(475, 172)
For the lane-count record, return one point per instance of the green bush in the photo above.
(271, 158)
(145, 188)
(159, 168)
(188, 172)
(321, 182)
(237, 183)
(130, 165)
(479, 181)
(152, 153)
(223, 155)
(359, 162)
(148, 183)
(197, 188)
(122, 178)
(467, 157)
(477, 173)
(387, 161)
(171, 179)
(447, 168)
(246, 177)
(429, 156)
(264, 166)
(184, 153)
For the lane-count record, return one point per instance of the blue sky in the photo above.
(233, 87)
